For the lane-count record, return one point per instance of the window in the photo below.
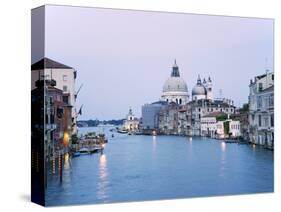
(259, 120)
(259, 102)
(59, 112)
(199, 109)
(65, 99)
(180, 101)
(271, 98)
(64, 88)
(265, 121)
(272, 119)
(260, 86)
(64, 78)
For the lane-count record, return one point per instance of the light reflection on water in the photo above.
(154, 143)
(103, 178)
(135, 168)
(223, 146)
(223, 161)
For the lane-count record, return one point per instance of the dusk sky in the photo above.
(123, 57)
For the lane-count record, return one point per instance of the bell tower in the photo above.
(209, 88)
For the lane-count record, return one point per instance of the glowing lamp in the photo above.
(65, 138)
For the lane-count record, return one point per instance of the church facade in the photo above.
(131, 123)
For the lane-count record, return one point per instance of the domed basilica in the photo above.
(175, 88)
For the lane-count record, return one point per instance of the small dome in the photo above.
(199, 90)
(175, 84)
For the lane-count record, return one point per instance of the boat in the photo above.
(75, 154)
(122, 131)
(94, 150)
(84, 150)
(130, 133)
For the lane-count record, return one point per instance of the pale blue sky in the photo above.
(124, 57)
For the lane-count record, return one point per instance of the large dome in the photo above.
(175, 88)
(175, 84)
(199, 90)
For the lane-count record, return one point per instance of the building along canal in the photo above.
(138, 168)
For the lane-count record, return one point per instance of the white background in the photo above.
(15, 104)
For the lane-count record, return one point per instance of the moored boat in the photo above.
(84, 150)
(75, 154)
(122, 131)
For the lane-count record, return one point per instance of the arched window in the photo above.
(180, 101)
(177, 101)
(167, 100)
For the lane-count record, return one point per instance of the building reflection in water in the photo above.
(189, 140)
(103, 178)
(65, 178)
(223, 161)
(153, 143)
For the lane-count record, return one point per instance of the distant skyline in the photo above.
(123, 57)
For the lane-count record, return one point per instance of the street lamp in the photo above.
(65, 139)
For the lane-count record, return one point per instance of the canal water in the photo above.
(138, 168)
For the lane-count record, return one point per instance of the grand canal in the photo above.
(137, 168)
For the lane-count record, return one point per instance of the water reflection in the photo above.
(223, 161)
(103, 178)
(66, 162)
(66, 181)
(190, 147)
(99, 178)
(223, 146)
(153, 143)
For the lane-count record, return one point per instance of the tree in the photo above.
(226, 127)
(245, 107)
(74, 139)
